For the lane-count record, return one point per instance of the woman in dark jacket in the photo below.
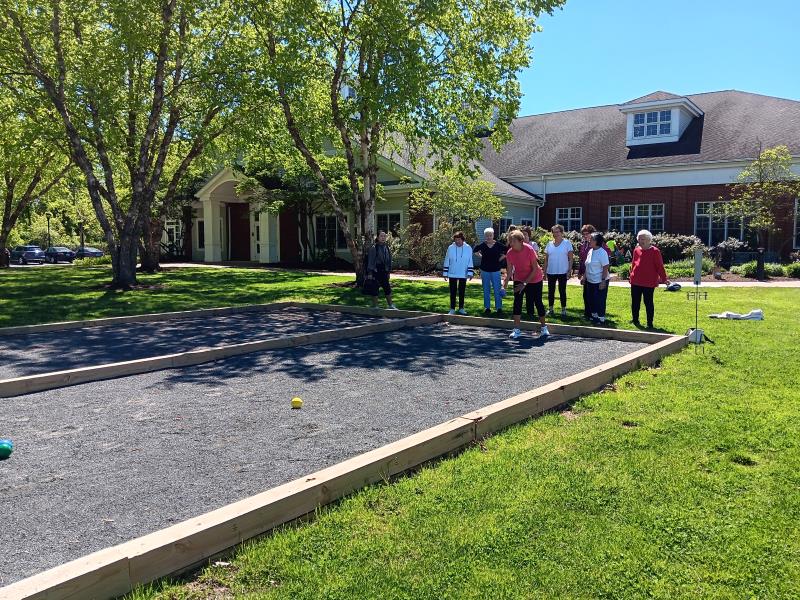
(379, 265)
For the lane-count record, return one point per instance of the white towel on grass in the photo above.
(754, 315)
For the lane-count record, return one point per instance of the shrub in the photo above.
(795, 256)
(675, 247)
(792, 270)
(624, 271)
(750, 269)
(93, 261)
(427, 251)
(624, 241)
(723, 252)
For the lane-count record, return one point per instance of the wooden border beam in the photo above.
(47, 381)
(115, 571)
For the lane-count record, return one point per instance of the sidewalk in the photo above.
(795, 283)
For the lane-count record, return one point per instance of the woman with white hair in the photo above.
(491, 253)
(647, 272)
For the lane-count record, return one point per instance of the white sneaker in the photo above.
(461, 311)
(549, 312)
(452, 311)
(515, 334)
(544, 332)
(392, 307)
(563, 312)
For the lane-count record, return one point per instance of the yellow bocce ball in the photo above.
(297, 402)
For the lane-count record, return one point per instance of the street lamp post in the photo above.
(48, 215)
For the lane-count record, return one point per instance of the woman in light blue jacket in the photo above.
(457, 268)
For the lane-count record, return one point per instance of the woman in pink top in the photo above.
(524, 270)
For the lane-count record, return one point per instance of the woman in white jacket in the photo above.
(457, 268)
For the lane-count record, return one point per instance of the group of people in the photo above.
(520, 259)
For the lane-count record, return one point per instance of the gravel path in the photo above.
(28, 354)
(100, 463)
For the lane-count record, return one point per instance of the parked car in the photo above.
(25, 254)
(58, 253)
(88, 252)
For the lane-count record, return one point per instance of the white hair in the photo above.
(488, 230)
(645, 233)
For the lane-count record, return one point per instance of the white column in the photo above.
(212, 213)
(263, 223)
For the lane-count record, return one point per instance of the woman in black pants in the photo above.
(558, 266)
(457, 268)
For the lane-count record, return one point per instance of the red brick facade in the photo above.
(679, 208)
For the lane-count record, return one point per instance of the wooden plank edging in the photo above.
(46, 381)
(145, 317)
(115, 571)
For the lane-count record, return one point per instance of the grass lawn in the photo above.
(683, 482)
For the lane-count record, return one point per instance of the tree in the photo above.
(291, 185)
(31, 162)
(457, 198)
(762, 190)
(371, 76)
(140, 89)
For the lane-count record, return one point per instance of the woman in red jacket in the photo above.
(647, 272)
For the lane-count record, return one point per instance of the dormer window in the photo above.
(657, 118)
(652, 123)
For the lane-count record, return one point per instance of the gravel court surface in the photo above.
(29, 354)
(98, 464)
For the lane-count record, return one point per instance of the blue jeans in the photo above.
(491, 279)
(597, 299)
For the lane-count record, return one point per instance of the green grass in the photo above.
(682, 482)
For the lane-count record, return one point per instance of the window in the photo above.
(201, 235)
(652, 123)
(389, 222)
(713, 229)
(174, 231)
(632, 218)
(258, 238)
(504, 225)
(328, 234)
(797, 224)
(526, 222)
(570, 218)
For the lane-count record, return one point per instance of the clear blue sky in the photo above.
(596, 52)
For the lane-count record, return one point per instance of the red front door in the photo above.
(239, 228)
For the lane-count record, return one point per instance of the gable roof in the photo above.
(423, 169)
(655, 96)
(734, 125)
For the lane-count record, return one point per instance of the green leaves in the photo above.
(763, 190)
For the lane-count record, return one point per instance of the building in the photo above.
(658, 162)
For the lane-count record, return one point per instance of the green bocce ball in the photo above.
(6, 448)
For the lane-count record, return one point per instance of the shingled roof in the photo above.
(655, 96)
(734, 125)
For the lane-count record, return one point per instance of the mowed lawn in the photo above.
(682, 482)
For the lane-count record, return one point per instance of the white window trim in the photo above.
(336, 247)
(707, 241)
(650, 206)
(200, 225)
(390, 212)
(796, 237)
(568, 218)
(658, 122)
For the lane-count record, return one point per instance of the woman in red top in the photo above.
(647, 272)
(524, 270)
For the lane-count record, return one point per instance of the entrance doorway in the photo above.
(239, 231)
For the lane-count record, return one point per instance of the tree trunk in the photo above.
(123, 257)
(4, 262)
(151, 235)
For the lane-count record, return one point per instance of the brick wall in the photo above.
(678, 204)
